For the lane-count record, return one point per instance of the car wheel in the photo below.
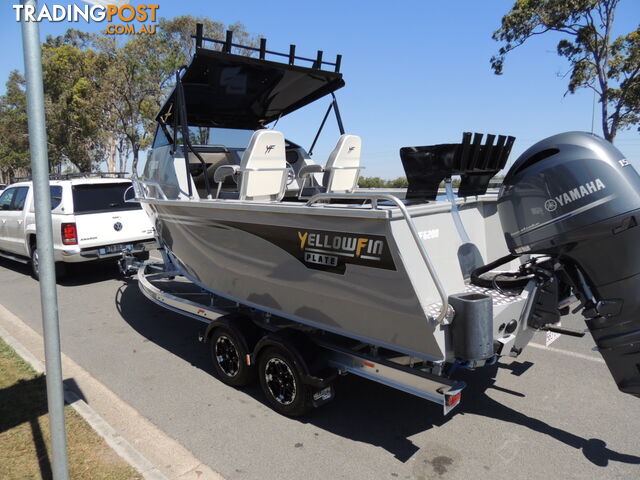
(61, 268)
(35, 264)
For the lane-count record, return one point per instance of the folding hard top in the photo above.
(235, 91)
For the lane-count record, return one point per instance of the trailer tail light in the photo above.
(453, 400)
(69, 234)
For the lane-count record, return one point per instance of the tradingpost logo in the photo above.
(117, 14)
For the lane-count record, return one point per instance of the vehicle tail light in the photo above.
(69, 234)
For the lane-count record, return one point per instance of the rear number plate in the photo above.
(115, 248)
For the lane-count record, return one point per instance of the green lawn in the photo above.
(25, 449)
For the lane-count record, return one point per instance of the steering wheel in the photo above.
(291, 174)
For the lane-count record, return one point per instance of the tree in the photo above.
(610, 67)
(400, 182)
(14, 132)
(73, 78)
(134, 84)
(371, 182)
(377, 182)
(141, 73)
(102, 93)
(178, 31)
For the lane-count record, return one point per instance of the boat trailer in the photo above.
(171, 290)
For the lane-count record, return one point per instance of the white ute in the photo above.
(93, 219)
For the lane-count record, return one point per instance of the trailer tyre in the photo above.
(281, 382)
(228, 354)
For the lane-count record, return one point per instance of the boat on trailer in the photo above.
(301, 276)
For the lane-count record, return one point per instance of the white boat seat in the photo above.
(212, 160)
(342, 169)
(262, 173)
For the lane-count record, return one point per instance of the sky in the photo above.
(416, 72)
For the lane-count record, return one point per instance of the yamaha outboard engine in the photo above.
(575, 198)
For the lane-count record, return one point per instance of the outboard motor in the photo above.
(575, 198)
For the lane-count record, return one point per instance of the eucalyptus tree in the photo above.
(14, 134)
(598, 61)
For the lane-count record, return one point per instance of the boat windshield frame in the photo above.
(209, 91)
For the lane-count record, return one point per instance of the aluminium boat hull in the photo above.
(349, 270)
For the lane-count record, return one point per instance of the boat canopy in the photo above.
(235, 91)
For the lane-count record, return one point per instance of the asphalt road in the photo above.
(548, 414)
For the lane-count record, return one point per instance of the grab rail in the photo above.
(146, 183)
(373, 198)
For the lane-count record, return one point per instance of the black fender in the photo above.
(245, 331)
(293, 344)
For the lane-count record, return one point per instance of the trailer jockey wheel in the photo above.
(281, 382)
(229, 358)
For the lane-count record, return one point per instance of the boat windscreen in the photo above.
(226, 137)
(235, 91)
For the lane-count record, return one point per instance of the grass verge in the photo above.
(25, 448)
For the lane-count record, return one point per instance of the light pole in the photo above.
(48, 294)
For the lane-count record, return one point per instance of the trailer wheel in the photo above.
(281, 382)
(228, 355)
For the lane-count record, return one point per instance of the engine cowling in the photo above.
(575, 197)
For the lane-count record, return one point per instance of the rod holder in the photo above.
(263, 48)
(292, 54)
(199, 34)
(228, 42)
